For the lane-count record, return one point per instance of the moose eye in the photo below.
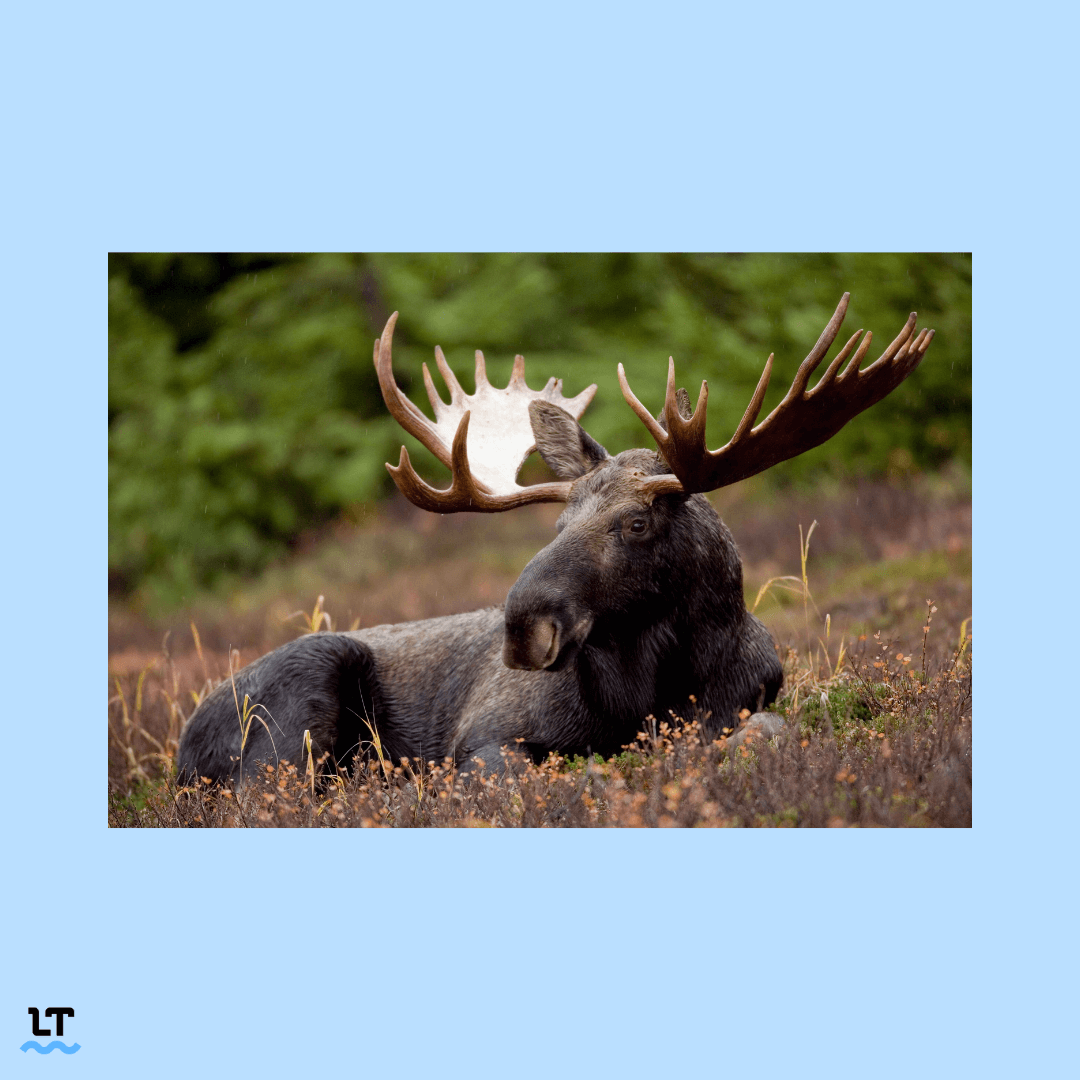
(637, 526)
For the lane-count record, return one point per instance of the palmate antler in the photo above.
(483, 438)
(803, 420)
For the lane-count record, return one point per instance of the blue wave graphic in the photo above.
(56, 1044)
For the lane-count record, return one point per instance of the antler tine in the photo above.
(481, 371)
(916, 344)
(664, 484)
(910, 355)
(752, 410)
(438, 406)
(463, 488)
(403, 400)
(841, 356)
(457, 395)
(860, 355)
(399, 406)
(517, 376)
(643, 414)
(412, 487)
(896, 343)
(909, 348)
(824, 342)
(671, 404)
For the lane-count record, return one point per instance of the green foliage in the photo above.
(842, 709)
(243, 406)
(143, 794)
(221, 454)
(627, 762)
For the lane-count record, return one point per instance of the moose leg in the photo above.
(323, 684)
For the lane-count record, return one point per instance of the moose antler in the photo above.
(484, 438)
(803, 420)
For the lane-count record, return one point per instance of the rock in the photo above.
(757, 728)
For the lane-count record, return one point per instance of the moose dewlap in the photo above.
(635, 607)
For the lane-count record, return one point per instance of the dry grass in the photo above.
(876, 740)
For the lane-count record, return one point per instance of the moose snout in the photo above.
(545, 618)
(541, 625)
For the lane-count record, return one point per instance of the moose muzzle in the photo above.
(545, 621)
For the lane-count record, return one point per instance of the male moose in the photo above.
(636, 605)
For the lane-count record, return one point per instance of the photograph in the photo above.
(540, 540)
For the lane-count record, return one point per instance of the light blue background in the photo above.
(478, 126)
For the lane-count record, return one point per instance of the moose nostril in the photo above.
(551, 634)
(534, 647)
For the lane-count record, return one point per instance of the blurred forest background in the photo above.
(244, 412)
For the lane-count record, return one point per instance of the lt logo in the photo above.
(35, 1023)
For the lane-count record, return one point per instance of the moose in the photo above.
(635, 608)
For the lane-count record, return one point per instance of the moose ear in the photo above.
(567, 449)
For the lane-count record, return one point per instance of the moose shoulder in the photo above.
(634, 608)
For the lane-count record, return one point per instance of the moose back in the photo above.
(633, 609)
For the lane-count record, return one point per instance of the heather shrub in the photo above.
(869, 747)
